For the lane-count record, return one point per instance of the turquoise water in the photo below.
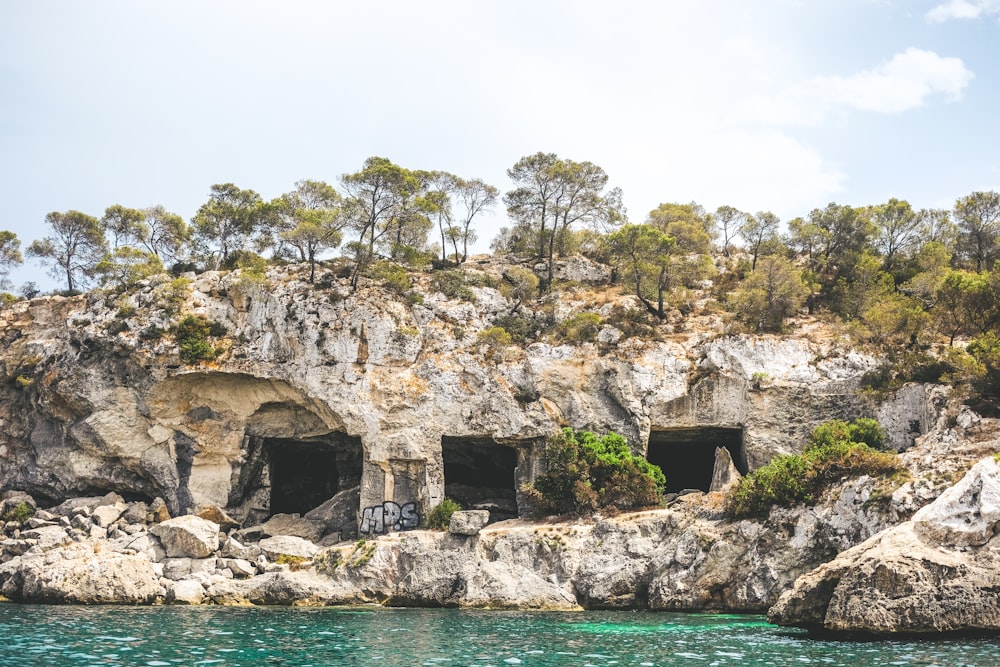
(226, 637)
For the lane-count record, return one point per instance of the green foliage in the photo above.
(392, 276)
(585, 473)
(772, 293)
(440, 516)
(633, 323)
(580, 328)
(6, 299)
(293, 562)
(520, 327)
(836, 449)
(20, 513)
(910, 366)
(328, 561)
(453, 285)
(75, 246)
(519, 285)
(646, 254)
(171, 296)
(361, 555)
(126, 266)
(495, 342)
(193, 334)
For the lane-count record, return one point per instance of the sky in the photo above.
(776, 105)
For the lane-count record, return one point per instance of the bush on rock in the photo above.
(836, 449)
(585, 472)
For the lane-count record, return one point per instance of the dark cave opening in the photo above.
(480, 473)
(306, 473)
(687, 455)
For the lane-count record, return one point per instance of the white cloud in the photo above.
(963, 9)
(905, 82)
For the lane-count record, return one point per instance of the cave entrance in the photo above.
(687, 455)
(480, 473)
(306, 473)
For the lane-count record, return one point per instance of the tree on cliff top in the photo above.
(553, 195)
(379, 199)
(10, 255)
(228, 221)
(75, 245)
(312, 217)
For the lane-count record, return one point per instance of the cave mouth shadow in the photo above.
(687, 454)
(306, 473)
(480, 473)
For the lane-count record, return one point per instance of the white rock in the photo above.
(105, 515)
(968, 513)
(288, 545)
(468, 522)
(186, 591)
(188, 536)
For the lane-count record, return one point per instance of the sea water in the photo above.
(227, 637)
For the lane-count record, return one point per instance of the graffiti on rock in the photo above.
(389, 517)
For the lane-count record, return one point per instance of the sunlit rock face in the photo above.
(317, 390)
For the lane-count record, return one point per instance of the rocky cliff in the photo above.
(376, 404)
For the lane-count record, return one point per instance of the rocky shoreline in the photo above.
(850, 565)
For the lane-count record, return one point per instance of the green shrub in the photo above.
(20, 513)
(580, 328)
(520, 327)
(192, 335)
(585, 473)
(453, 285)
(495, 340)
(633, 323)
(392, 276)
(836, 450)
(328, 561)
(440, 516)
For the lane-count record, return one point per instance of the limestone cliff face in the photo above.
(94, 397)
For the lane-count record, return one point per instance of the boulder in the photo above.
(233, 548)
(185, 591)
(468, 522)
(158, 511)
(292, 524)
(78, 575)
(725, 474)
(216, 515)
(241, 568)
(105, 515)
(87, 504)
(188, 536)
(182, 568)
(938, 572)
(47, 537)
(288, 545)
(302, 587)
(136, 513)
(339, 514)
(143, 543)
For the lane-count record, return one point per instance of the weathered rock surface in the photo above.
(288, 545)
(468, 522)
(939, 572)
(79, 575)
(188, 536)
(367, 369)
